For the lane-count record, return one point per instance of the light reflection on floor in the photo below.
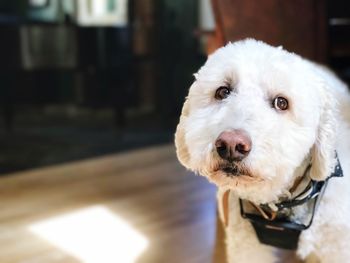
(93, 235)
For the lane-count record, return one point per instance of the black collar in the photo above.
(280, 231)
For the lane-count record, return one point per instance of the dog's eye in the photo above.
(280, 103)
(222, 93)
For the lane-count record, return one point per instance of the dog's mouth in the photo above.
(232, 170)
(232, 175)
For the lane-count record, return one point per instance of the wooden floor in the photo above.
(173, 211)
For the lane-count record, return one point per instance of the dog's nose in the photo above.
(233, 145)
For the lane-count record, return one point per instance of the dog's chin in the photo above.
(232, 175)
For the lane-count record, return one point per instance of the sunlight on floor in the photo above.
(93, 235)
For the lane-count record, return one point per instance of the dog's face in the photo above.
(253, 117)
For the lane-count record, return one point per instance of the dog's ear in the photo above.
(180, 143)
(323, 151)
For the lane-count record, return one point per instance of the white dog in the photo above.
(262, 122)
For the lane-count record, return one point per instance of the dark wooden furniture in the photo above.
(339, 37)
(298, 25)
(47, 63)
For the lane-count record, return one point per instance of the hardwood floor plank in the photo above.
(172, 208)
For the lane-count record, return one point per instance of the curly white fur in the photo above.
(314, 126)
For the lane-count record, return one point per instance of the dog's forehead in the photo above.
(255, 68)
(248, 57)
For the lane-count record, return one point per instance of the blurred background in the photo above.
(85, 78)
(90, 95)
